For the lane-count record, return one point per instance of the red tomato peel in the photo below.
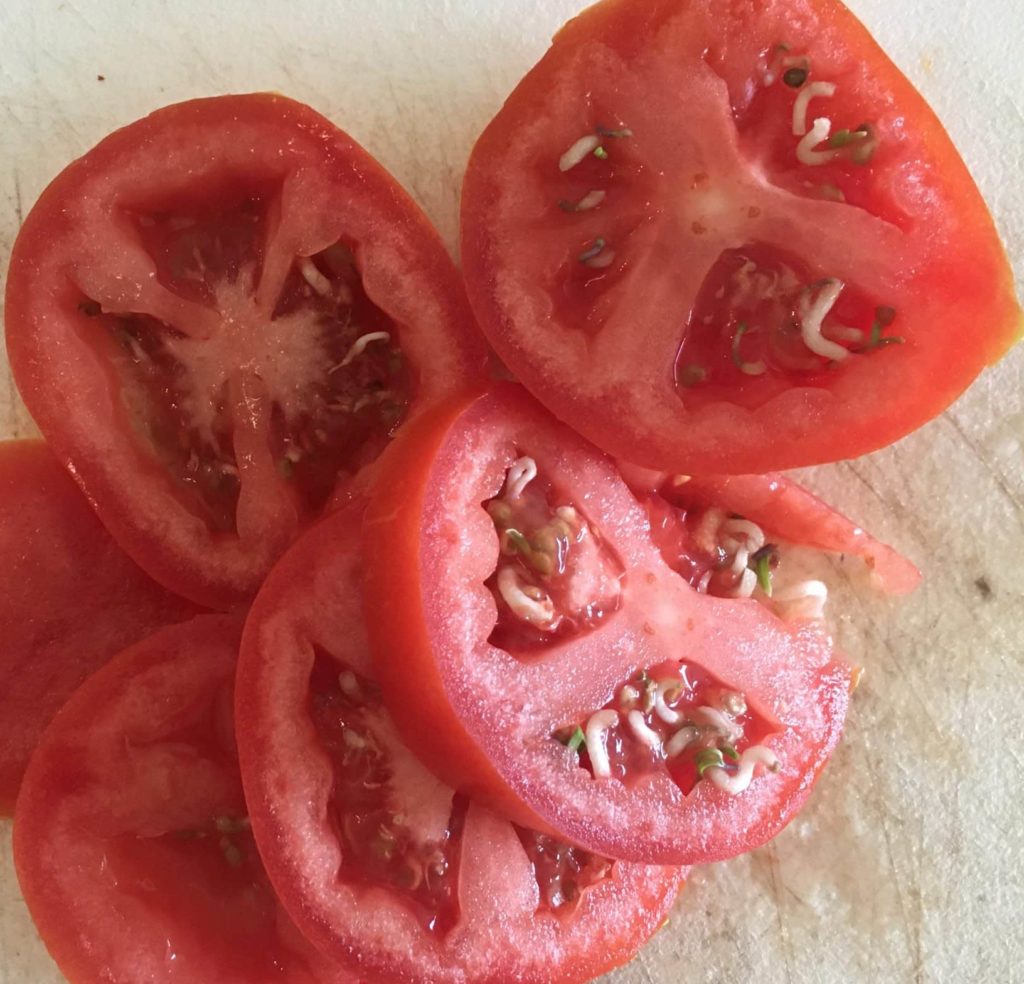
(219, 315)
(621, 318)
(335, 852)
(486, 719)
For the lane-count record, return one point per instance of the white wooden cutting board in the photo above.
(908, 864)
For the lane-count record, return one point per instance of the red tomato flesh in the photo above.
(131, 838)
(381, 865)
(668, 262)
(494, 721)
(218, 315)
(71, 600)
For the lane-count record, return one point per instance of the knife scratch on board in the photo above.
(912, 930)
(774, 869)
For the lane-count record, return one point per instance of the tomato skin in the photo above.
(72, 239)
(106, 839)
(790, 512)
(71, 601)
(954, 271)
(312, 600)
(786, 511)
(451, 691)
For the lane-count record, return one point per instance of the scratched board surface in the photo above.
(907, 864)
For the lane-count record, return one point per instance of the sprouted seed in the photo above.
(815, 90)
(806, 150)
(578, 152)
(748, 368)
(589, 201)
(597, 254)
(795, 77)
(359, 346)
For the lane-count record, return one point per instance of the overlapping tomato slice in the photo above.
(381, 865)
(132, 840)
(535, 649)
(69, 600)
(219, 315)
(731, 238)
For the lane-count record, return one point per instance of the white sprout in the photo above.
(681, 740)
(667, 714)
(590, 200)
(803, 102)
(746, 585)
(847, 334)
(314, 277)
(740, 561)
(813, 314)
(359, 346)
(704, 582)
(594, 737)
(739, 781)
(718, 721)
(603, 259)
(804, 599)
(522, 472)
(643, 731)
(806, 150)
(751, 532)
(348, 683)
(578, 151)
(537, 611)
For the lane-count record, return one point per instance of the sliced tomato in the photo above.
(69, 600)
(131, 838)
(783, 508)
(492, 661)
(380, 864)
(665, 258)
(219, 314)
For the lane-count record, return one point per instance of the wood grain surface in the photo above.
(907, 865)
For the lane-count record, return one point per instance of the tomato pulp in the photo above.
(381, 865)
(731, 238)
(536, 651)
(219, 315)
(131, 837)
(70, 597)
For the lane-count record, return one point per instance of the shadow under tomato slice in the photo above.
(219, 317)
(132, 840)
(512, 725)
(670, 253)
(71, 600)
(383, 866)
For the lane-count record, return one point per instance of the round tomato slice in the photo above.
(380, 864)
(218, 314)
(731, 240)
(69, 600)
(536, 650)
(131, 837)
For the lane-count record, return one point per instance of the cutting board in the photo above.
(908, 862)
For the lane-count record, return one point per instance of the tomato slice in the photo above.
(131, 837)
(380, 864)
(785, 509)
(676, 262)
(70, 600)
(219, 314)
(491, 708)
